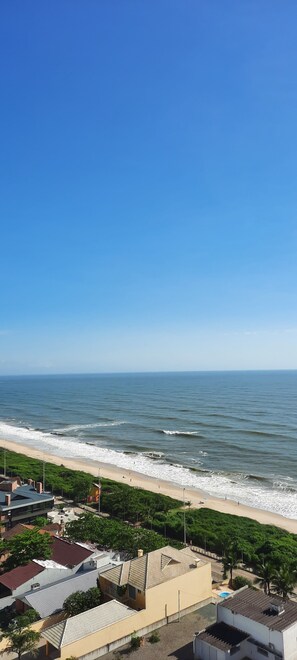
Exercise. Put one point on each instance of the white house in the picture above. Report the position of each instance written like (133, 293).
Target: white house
(68, 559)
(251, 626)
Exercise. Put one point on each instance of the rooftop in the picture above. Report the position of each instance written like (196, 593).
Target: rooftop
(21, 495)
(222, 636)
(52, 529)
(50, 599)
(84, 624)
(64, 555)
(68, 553)
(20, 575)
(257, 606)
(153, 568)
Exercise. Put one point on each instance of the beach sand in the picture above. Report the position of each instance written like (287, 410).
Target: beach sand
(197, 498)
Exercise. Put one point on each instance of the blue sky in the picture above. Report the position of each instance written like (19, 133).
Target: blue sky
(148, 185)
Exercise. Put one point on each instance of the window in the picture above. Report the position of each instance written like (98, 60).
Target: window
(132, 592)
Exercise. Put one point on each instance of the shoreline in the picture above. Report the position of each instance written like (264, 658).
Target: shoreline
(198, 498)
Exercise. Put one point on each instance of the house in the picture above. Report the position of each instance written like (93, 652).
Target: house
(155, 578)
(22, 502)
(50, 599)
(142, 594)
(67, 559)
(250, 625)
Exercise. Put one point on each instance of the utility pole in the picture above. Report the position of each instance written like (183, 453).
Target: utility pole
(43, 475)
(184, 507)
(4, 462)
(99, 492)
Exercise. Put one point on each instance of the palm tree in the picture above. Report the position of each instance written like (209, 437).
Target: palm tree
(284, 581)
(265, 572)
(230, 561)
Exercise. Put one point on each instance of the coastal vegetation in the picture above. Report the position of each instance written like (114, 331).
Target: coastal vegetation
(118, 499)
(160, 519)
(115, 534)
(252, 542)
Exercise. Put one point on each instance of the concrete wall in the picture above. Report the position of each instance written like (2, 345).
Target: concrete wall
(290, 643)
(38, 626)
(203, 651)
(247, 649)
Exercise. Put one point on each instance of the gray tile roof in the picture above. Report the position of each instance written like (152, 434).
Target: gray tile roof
(153, 568)
(50, 599)
(255, 605)
(23, 495)
(84, 624)
(222, 636)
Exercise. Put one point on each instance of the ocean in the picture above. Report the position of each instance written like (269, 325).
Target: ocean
(230, 434)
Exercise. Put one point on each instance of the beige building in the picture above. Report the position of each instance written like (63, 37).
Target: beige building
(146, 592)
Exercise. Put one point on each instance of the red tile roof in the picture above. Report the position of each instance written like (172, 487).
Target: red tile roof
(68, 554)
(20, 575)
(19, 528)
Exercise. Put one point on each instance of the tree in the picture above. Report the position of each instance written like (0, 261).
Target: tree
(284, 581)
(81, 485)
(41, 521)
(230, 561)
(24, 547)
(265, 572)
(81, 601)
(21, 639)
(92, 598)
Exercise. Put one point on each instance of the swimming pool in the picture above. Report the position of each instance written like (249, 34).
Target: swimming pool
(224, 594)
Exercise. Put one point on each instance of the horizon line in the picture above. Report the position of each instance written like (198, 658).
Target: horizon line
(153, 372)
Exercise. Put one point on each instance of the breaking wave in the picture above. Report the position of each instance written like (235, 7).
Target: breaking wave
(182, 433)
(269, 494)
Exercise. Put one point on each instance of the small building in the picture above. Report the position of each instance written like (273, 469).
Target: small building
(250, 625)
(22, 502)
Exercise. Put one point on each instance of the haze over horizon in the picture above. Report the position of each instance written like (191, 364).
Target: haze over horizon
(148, 196)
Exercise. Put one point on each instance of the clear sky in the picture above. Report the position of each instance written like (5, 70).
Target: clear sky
(148, 180)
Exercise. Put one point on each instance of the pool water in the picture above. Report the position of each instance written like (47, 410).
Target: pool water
(224, 594)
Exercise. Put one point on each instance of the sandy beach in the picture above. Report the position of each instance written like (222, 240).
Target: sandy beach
(197, 498)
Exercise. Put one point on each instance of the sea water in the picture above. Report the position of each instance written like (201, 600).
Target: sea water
(230, 434)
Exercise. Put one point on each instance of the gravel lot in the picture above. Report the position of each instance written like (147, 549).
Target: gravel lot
(175, 639)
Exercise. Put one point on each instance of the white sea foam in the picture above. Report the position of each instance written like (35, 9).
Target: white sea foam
(82, 427)
(219, 485)
(180, 432)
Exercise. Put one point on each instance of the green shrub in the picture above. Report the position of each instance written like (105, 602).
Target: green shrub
(154, 638)
(239, 581)
(135, 642)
